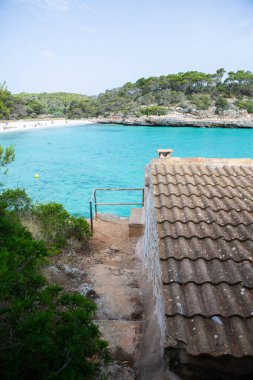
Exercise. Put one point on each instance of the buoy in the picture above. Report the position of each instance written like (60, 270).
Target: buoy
(36, 175)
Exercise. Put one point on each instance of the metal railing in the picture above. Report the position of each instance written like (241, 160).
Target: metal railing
(93, 199)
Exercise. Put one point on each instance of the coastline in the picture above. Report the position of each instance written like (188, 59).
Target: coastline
(180, 120)
(170, 120)
(24, 125)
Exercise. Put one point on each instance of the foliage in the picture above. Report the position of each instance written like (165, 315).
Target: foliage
(16, 200)
(245, 104)
(6, 102)
(131, 98)
(7, 155)
(20, 257)
(203, 102)
(154, 110)
(58, 225)
(221, 104)
(57, 104)
(55, 224)
(44, 333)
(239, 83)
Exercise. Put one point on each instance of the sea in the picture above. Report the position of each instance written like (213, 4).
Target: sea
(65, 164)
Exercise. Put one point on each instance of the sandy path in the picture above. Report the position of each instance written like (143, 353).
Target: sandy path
(108, 271)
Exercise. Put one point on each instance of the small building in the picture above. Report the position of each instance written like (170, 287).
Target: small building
(198, 248)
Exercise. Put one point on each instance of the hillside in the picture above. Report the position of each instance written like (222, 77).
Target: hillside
(191, 92)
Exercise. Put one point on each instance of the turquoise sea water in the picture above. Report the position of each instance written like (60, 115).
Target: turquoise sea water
(73, 160)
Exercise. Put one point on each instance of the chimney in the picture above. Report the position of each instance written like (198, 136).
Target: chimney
(164, 153)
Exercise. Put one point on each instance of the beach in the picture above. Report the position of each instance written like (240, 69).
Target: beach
(23, 125)
(172, 119)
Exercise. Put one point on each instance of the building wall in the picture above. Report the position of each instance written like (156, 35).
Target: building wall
(151, 253)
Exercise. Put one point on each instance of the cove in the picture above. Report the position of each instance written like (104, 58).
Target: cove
(71, 161)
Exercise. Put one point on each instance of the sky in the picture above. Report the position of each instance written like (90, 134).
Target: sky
(88, 46)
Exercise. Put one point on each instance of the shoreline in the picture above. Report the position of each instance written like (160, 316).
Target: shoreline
(25, 125)
(171, 120)
(179, 120)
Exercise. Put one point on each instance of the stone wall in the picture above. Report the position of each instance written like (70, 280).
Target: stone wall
(151, 253)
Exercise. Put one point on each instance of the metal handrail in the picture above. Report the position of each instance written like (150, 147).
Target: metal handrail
(93, 198)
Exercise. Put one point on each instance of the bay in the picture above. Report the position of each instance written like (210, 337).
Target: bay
(71, 161)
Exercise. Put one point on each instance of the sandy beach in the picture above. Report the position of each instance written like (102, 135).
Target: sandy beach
(23, 125)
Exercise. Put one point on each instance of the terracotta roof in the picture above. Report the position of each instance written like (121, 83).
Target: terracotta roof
(205, 225)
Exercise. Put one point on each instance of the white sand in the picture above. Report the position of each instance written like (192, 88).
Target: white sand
(23, 125)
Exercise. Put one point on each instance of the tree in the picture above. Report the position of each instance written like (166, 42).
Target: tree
(221, 104)
(6, 101)
(7, 155)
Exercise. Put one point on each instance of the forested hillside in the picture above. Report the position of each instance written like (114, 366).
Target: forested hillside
(191, 92)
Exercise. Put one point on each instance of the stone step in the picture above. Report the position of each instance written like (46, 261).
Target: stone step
(136, 222)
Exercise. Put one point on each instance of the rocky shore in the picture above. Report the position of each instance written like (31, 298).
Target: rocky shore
(180, 120)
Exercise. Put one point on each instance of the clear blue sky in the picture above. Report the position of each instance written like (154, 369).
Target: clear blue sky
(88, 46)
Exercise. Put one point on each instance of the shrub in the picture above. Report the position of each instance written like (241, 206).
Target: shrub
(44, 333)
(57, 225)
(221, 104)
(154, 110)
(203, 102)
(245, 104)
(16, 200)
(20, 256)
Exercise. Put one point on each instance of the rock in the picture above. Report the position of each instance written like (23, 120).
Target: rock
(53, 269)
(72, 271)
(86, 290)
(114, 248)
(105, 251)
(117, 372)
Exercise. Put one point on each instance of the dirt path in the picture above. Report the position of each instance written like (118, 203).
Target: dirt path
(108, 271)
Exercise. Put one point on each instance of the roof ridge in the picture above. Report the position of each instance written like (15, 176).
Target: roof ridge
(201, 175)
(204, 221)
(202, 208)
(197, 195)
(190, 316)
(214, 315)
(244, 286)
(205, 259)
(204, 237)
(203, 185)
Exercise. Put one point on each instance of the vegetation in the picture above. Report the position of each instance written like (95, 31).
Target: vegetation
(54, 224)
(221, 104)
(44, 332)
(7, 155)
(245, 104)
(6, 102)
(57, 104)
(57, 225)
(191, 91)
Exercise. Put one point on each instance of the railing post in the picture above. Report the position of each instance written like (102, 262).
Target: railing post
(91, 218)
(95, 199)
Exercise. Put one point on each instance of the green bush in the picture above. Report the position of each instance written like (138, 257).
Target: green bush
(57, 225)
(16, 200)
(221, 104)
(203, 102)
(52, 222)
(20, 256)
(44, 333)
(245, 104)
(154, 110)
